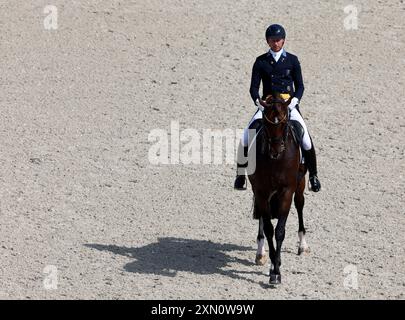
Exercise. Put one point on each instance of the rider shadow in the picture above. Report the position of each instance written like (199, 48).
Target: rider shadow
(171, 255)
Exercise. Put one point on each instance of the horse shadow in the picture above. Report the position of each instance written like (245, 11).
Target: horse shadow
(169, 255)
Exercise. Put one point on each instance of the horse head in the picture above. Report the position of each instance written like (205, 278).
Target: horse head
(275, 116)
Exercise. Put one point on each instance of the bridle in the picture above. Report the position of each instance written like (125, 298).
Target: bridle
(281, 139)
(287, 114)
(278, 122)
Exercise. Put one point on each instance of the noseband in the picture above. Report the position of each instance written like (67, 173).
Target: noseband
(276, 123)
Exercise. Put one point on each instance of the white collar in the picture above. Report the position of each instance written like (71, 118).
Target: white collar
(277, 55)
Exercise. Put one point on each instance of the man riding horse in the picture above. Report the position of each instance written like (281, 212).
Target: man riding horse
(280, 71)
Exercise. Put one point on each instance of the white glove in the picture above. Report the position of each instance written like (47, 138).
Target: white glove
(293, 103)
(257, 103)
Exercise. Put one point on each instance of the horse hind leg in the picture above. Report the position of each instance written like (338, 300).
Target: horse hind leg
(299, 201)
(261, 256)
(303, 247)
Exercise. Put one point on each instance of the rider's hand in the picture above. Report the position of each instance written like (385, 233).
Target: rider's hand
(293, 103)
(258, 105)
(261, 104)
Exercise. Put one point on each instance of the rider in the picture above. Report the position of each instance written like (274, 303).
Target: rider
(279, 71)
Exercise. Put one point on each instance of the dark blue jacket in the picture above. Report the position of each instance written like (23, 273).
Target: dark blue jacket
(282, 76)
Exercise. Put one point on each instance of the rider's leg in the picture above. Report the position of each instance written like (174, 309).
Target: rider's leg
(241, 164)
(310, 158)
(242, 156)
(309, 152)
(245, 138)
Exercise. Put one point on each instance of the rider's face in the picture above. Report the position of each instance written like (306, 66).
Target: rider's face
(275, 44)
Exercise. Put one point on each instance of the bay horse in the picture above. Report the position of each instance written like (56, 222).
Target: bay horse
(279, 175)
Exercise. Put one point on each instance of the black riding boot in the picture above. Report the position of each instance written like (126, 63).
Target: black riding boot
(310, 160)
(240, 181)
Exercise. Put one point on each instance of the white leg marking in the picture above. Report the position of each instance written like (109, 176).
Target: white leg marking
(303, 246)
(303, 243)
(260, 247)
(260, 243)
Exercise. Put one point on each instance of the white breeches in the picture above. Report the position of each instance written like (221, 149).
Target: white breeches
(294, 115)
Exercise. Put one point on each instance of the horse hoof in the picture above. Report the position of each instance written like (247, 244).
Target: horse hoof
(261, 259)
(302, 250)
(275, 278)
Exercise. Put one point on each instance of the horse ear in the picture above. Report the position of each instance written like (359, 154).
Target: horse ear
(269, 98)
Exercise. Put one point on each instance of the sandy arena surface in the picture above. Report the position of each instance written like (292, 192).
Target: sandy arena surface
(79, 193)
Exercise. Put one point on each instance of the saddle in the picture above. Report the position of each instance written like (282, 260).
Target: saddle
(296, 129)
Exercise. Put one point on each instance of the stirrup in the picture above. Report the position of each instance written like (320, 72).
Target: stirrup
(314, 184)
(240, 183)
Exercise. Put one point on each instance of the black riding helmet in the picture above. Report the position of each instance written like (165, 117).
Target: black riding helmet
(275, 31)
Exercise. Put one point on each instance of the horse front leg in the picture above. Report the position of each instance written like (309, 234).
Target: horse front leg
(284, 209)
(261, 257)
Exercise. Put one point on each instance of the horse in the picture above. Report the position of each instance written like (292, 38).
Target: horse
(279, 175)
